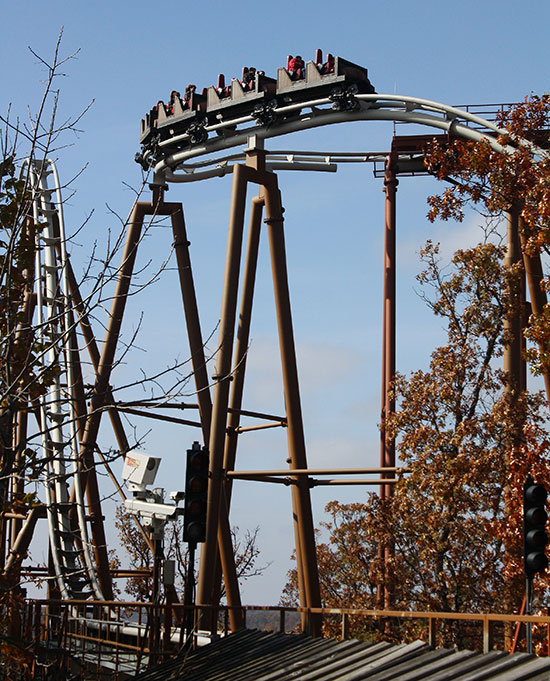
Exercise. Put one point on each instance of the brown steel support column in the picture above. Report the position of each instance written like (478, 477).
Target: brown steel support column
(243, 336)
(91, 344)
(18, 481)
(20, 545)
(229, 570)
(116, 422)
(87, 466)
(239, 362)
(208, 559)
(535, 279)
(6, 477)
(387, 443)
(23, 336)
(515, 370)
(514, 364)
(106, 361)
(295, 432)
(196, 345)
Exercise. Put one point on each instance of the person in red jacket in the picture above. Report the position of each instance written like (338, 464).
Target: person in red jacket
(296, 67)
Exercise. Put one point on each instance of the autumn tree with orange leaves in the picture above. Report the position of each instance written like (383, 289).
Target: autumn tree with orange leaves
(455, 521)
(513, 179)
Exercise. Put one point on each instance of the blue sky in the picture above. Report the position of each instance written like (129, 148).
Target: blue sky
(132, 54)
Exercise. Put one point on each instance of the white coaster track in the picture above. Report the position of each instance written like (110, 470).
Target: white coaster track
(170, 158)
(68, 536)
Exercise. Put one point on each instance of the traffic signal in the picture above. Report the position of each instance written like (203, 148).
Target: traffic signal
(196, 494)
(534, 527)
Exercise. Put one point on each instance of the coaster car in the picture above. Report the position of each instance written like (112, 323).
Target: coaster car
(256, 95)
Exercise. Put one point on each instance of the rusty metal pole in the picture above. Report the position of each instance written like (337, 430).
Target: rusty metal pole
(229, 570)
(87, 465)
(196, 344)
(17, 482)
(239, 362)
(515, 371)
(20, 546)
(21, 423)
(9, 479)
(535, 278)
(91, 345)
(101, 387)
(295, 430)
(387, 443)
(243, 336)
(255, 158)
(116, 422)
(514, 364)
(208, 559)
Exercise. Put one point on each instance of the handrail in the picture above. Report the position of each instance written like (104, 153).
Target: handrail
(128, 636)
(108, 607)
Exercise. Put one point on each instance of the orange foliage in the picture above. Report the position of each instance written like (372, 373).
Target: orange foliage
(518, 179)
(455, 520)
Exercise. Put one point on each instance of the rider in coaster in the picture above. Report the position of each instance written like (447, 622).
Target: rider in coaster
(189, 91)
(173, 96)
(249, 78)
(296, 67)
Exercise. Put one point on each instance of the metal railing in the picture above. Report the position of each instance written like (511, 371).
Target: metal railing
(117, 639)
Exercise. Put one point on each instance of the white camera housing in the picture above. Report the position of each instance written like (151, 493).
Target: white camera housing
(140, 470)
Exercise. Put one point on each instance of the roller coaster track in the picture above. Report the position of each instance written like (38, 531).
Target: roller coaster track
(169, 159)
(69, 541)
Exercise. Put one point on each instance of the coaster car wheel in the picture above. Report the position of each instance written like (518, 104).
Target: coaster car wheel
(264, 114)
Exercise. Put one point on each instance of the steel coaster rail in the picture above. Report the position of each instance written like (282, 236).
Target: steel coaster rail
(71, 556)
(71, 381)
(380, 107)
(320, 161)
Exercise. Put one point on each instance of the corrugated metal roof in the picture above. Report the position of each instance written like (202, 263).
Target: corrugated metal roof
(263, 656)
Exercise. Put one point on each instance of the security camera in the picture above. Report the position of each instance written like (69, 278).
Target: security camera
(139, 470)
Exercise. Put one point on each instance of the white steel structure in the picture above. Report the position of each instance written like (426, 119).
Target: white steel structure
(69, 541)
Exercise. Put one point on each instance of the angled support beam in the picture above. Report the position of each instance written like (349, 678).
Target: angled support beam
(239, 363)
(216, 532)
(196, 344)
(106, 362)
(243, 338)
(114, 415)
(20, 545)
(304, 527)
